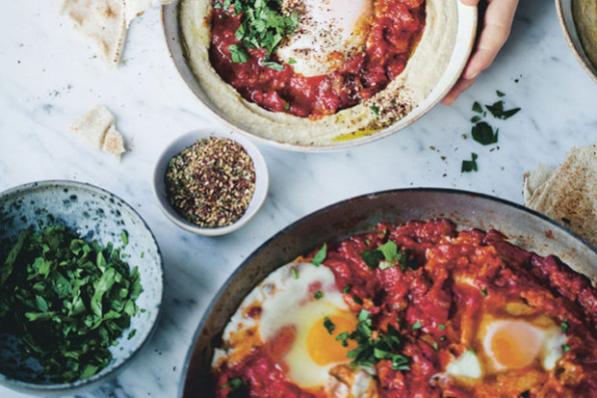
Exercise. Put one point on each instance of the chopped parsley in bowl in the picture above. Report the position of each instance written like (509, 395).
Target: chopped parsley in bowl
(81, 284)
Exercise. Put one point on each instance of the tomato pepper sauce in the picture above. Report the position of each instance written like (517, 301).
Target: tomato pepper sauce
(426, 292)
(394, 31)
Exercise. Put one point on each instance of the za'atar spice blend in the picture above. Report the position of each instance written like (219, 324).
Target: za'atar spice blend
(211, 182)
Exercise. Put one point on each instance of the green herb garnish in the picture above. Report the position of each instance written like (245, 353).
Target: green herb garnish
(294, 272)
(499, 93)
(417, 325)
(565, 347)
(484, 134)
(320, 256)
(386, 256)
(318, 295)
(374, 347)
(497, 110)
(477, 107)
(329, 325)
(470, 165)
(374, 109)
(263, 26)
(67, 299)
(347, 288)
(238, 54)
(564, 326)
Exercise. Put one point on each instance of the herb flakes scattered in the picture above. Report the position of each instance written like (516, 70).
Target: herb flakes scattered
(470, 165)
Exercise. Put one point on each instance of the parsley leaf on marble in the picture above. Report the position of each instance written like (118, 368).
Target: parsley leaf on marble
(484, 134)
(470, 165)
(497, 110)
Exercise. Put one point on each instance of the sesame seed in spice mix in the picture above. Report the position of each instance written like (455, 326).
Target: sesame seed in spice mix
(211, 182)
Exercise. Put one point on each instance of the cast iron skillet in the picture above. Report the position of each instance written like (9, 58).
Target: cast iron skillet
(524, 227)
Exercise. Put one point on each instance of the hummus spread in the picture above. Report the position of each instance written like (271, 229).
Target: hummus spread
(585, 19)
(424, 67)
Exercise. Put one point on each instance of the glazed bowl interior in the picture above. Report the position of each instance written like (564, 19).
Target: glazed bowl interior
(467, 25)
(523, 226)
(94, 214)
(572, 37)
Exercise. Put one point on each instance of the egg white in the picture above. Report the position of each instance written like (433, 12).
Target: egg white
(326, 27)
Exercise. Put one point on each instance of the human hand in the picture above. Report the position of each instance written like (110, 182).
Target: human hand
(497, 24)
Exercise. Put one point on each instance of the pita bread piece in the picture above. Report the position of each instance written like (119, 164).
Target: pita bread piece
(104, 21)
(534, 179)
(98, 128)
(569, 194)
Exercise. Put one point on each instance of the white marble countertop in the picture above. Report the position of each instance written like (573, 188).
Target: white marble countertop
(50, 76)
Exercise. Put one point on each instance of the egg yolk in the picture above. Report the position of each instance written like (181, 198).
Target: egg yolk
(322, 346)
(515, 345)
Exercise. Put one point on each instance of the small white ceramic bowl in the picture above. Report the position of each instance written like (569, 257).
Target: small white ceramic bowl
(261, 181)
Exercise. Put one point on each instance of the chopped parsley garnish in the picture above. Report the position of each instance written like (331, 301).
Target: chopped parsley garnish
(357, 300)
(69, 300)
(441, 326)
(470, 165)
(477, 107)
(347, 288)
(263, 26)
(238, 54)
(272, 65)
(417, 325)
(565, 347)
(374, 345)
(484, 292)
(484, 134)
(295, 273)
(499, 93)
(320, 256)
(291, 61)
(564, 326)
(388, 255)
(374, 109)
(235, 385)
(497, 110)
(318, 295)
(329, 325)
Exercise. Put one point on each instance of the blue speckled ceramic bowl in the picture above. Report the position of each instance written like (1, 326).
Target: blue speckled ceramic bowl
(97, 215)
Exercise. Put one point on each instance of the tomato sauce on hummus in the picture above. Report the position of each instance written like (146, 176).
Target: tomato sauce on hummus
(394, 30)
(438, 300)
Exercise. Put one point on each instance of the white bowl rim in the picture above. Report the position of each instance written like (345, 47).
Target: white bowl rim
(261, 180)
(471, 14)
(117, 367)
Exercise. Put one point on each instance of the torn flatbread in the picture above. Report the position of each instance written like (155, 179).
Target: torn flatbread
(534, 179)
(98, 128)
(113, 142)
(106, 22)
(94, 125)
(568, 194)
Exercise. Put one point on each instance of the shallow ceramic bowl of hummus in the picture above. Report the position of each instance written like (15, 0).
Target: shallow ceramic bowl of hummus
(367, 105)
(578, 19)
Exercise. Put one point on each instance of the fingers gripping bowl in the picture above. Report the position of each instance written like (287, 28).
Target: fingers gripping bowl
(335, 224)
(379, 72)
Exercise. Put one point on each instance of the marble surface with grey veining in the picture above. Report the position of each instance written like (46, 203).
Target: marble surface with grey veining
(50, 76)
